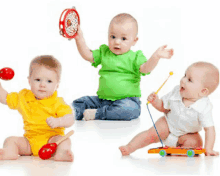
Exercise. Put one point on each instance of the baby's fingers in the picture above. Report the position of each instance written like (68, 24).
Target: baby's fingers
(170, 53)
(50, 122)
(152, 97)
(213, 153)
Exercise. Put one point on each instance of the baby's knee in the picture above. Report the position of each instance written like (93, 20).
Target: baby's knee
(82, 99)
(11, 139)
(128, 114)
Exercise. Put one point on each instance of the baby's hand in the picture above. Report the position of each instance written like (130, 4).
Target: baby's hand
(162, 52)
(152, 97)
(211, 153)
(53, 122)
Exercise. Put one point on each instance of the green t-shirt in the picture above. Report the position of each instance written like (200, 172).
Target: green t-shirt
(119, 76)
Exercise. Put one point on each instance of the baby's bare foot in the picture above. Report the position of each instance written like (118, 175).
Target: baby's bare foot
(89, 114)
(125, 150)
(7, 155)
(64, 156)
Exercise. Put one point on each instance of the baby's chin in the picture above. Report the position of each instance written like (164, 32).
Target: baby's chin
(182, 95)
(118, 52)
(38, 97)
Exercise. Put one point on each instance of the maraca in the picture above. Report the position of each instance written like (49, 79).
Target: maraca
(6, 73)
(171, 73)
(48, 149)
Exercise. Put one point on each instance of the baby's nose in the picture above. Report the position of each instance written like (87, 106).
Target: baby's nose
(183, 80)
(42, 84)
(117, 41)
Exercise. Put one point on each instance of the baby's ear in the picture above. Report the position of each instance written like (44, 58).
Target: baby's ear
(58, 85)
(29, 81)
(135, 40)
(205, 92)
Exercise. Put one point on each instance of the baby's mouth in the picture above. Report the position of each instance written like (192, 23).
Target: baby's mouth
(116, 48)
(42, 91)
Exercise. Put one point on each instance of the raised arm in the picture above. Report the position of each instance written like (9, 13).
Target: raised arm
(161, 52)
(83, 49)
(3, 95)
(209, 141)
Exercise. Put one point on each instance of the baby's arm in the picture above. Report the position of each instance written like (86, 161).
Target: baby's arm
(209, 141)
(3, 95)
(83, 49)
(65, 121)
(157, 103)
(161, 52)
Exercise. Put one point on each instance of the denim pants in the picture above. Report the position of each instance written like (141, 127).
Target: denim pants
(124, 109)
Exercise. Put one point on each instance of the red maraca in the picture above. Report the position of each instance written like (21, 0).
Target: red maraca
(6, 73)
(48, 149)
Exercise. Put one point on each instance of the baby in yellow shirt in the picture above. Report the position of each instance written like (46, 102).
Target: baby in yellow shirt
(45, 115)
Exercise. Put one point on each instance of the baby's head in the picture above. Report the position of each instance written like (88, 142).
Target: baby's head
(122, 33)
(200, 80)
(44, 76)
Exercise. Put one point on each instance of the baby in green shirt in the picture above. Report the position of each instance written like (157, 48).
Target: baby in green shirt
(119, 82)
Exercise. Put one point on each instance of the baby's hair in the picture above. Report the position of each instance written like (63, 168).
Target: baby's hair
(211, 75)
(123, 17)
(47, 61)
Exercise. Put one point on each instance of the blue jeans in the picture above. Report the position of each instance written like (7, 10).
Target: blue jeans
(124, 109)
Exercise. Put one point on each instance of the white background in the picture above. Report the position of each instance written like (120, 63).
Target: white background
(30, 28)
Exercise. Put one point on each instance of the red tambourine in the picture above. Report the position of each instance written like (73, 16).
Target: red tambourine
(69, 21)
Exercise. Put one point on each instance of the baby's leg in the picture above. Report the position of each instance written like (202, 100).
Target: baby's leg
(63, 152)
(83, 103)
(145, 138)
(123, 109)
(14, 146)
(190, 140)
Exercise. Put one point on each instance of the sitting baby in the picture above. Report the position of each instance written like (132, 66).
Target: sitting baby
(44, 114)
(187, 109)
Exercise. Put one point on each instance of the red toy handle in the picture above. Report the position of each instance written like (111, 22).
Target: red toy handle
(6, 73)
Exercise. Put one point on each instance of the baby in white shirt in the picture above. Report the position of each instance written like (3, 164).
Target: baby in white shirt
(187, 109)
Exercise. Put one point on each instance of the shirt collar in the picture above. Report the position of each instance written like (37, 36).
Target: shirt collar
(46, 101)
(198, 106)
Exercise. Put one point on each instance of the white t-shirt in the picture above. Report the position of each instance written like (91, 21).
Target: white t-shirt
(182, 120)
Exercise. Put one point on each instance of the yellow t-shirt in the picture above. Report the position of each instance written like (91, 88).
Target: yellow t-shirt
(35, 112)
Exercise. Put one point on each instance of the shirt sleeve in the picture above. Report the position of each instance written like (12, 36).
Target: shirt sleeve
(12, 100)
(205, 117)
(97, 55)
(140, 59)
(63, 109)
(166, 98)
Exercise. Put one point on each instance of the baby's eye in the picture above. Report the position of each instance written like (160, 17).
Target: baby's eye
(49, 81)
(190, 80)
(112, 36)
(124, 38)
(37, 79)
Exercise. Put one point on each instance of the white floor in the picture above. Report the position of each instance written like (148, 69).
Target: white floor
(95, 147)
